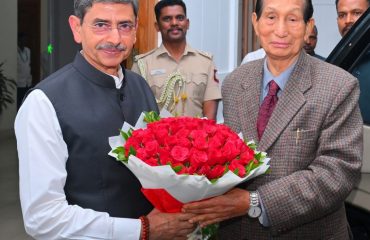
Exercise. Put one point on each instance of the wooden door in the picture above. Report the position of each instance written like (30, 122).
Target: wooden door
(29, 25)
(249, 39)
(147, 36)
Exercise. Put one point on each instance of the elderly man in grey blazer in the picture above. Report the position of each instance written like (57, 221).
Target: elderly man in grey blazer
(304, 113)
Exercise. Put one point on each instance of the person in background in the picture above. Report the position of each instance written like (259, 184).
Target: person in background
(24, 77)
(69, 187)
(310, 43)
(182, 78)
(348, 12)
(304, 113)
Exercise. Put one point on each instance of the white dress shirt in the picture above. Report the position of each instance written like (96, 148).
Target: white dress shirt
(42, 175)
(24, 77)
(258, 54)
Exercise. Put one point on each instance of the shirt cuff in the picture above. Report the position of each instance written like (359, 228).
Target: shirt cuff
(263, 218)
(126, 229)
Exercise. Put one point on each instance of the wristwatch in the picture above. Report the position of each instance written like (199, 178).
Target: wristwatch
(254, 205)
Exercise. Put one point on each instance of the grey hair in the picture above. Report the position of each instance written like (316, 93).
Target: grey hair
(81, 6)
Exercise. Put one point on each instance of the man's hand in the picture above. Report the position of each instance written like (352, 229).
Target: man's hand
(169, 225)
(232, 204)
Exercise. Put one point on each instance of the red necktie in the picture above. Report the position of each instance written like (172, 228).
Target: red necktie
(267, 108)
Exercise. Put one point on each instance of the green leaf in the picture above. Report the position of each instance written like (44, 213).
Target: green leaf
(124, 135)
(130, 131)
(177, 169)
(253, 146)
(249, 167)
(258, 156)
(118, 150)
(210, 232)
(121, 156)
(132, 151)
(213, 181)
(151, 116)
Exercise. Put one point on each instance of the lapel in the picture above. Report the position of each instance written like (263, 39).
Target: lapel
(248, 100)
(290, 102)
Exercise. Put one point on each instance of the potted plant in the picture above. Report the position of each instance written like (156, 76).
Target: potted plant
(6, 85)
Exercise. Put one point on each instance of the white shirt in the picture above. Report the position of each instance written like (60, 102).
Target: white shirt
(42, 156)
(24, 77)
(258, 54)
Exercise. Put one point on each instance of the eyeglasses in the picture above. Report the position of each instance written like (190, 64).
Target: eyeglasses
(103, 28)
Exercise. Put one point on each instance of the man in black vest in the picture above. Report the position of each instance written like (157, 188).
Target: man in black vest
(69, 187)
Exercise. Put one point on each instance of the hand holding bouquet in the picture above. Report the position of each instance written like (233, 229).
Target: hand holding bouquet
(182, 159)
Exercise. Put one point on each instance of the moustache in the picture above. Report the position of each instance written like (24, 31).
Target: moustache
(110, 46)
(175, 29)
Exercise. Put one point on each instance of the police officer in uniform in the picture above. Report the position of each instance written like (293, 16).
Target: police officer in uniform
(182, 78)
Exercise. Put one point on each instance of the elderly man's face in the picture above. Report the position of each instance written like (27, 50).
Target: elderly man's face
(107, 34)
(281, 28)
(349, 11)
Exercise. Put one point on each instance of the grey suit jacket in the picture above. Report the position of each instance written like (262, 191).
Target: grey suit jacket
(312, 171)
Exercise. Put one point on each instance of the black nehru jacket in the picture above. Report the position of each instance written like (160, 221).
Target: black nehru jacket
(90, 109)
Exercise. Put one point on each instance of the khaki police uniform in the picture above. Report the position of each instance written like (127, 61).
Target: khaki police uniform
(180, 87)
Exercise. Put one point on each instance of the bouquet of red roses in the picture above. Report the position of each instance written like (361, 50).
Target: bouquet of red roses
(182, 159)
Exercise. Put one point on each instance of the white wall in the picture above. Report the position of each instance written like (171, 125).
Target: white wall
(8, 53)
(214, 27)
(325, 16)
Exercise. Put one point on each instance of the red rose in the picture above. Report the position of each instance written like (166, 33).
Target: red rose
(141, 153)
(197, 157)
(210, 129)
(215, 157)
(152, 162)
(216, 172)
(164, 156)
(161, 135)
(204, 170)
(198, 134)
(215, 142)
(237, 168)
(219, 136)
(183, 142)
(170, 141)
(246, 156)
(148, 136)
(131, 142)
(182, 133)
(143, 135)
(200, 143)
(230, 150)
(151, 147)
(179, 154)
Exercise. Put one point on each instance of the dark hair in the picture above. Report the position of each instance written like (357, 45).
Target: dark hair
(336, 3)
(307, 11)
(165, 3)
(81, 6)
